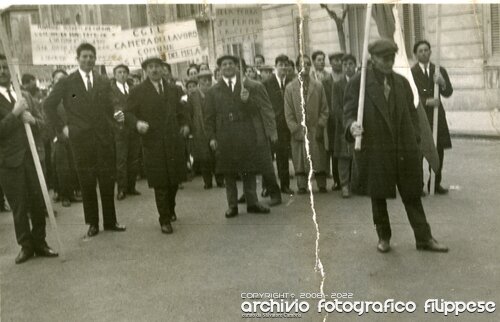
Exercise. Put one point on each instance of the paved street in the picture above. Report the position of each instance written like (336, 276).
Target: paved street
(199, 272)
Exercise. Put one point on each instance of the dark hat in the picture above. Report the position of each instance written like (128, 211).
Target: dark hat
(224, 57)
(337, 55)
(150, 60)
(121, 66)
(205, 73)
(266, 67)
(191, 80)
(382, 47)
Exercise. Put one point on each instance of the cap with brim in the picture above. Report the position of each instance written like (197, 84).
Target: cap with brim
(121, 66)
(337, 55)
(150, 60)
(191, 80)
(382, 47)
(266, 67)
(204, 73)
(224, 57)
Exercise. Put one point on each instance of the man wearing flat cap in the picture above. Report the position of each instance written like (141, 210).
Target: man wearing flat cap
(240, 122)
(390, 155)
(155, 112)
(128, 145)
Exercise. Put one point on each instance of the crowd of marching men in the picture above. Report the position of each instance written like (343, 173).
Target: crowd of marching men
(228, 124)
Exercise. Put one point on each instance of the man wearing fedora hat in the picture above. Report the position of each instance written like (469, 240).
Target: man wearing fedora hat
(239, 121)
(154, 110)
(390, 155)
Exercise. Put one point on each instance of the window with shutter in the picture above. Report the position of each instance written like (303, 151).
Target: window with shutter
(495, 29)
(412, 26)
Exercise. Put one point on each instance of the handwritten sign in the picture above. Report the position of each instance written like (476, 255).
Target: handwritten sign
(238, 25)
(175, 42)
(56, 45)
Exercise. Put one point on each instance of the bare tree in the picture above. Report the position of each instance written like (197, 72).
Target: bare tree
(339, 22)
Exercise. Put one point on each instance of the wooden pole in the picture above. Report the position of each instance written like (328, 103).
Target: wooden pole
(436, 93)
(31, 141)
(242, 73)
(361, 101)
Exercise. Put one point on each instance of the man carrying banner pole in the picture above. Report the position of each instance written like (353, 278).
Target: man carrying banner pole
(19, 169)
(390, 155)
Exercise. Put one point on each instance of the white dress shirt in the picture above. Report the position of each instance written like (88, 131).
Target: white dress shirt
(281, 82)
(84, 77)
(233, 81)
(123, 87)
(3, 91)
(158, 84)
(423, 67)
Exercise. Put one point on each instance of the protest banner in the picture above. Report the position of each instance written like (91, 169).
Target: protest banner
(56, 44)
(176, 42)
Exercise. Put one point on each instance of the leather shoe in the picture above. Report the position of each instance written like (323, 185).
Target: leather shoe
(24, 255)
(231, 212)
(440, 190)
(258, 209)
(93, 230)
(173, 217)
(45, 251)
(275, 202)
(115, 227)
(242, 199)
(66, 203)
(221, 185)
(346, 193)
(120, 195)
(433, 246)
(383, 246)
(424, 193)
(336, 187)
(287, 191)
(133, 192)
(207, 186)
(166, 228)
(264, 193)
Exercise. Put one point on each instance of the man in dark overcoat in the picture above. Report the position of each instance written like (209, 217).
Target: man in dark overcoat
(425, 76)
(128, 144)
(275, 87)
(86, 97)
(342, 150)
(239, 133)
(18, 176)
(389, 155)
(155, 112)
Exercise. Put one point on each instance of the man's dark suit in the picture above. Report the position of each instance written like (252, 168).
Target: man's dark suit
(18, 176)
(90, 123)
(425, 86)
(282, 147)
(329, 87)
(128, 146)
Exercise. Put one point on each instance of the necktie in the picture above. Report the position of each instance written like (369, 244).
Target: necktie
(89, 83)
(230, 84)
(125, 90)
(11, 98)
(426, 74)
(387, 88)
(160, 88)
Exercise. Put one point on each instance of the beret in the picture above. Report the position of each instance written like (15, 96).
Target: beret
(224, 57)
(337, 55)
(150, 60)
(382, 47)
(205, 73)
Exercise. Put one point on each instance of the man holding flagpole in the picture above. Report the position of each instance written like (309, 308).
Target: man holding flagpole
(389, 155)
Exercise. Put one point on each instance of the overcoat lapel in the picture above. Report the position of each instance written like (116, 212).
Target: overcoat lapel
(376, 93)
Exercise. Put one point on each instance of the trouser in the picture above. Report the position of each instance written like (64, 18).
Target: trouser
(414, 211)
(165, 202)
(440, 151)
(128, 149)
(344, 169)
(208, 171)
(95, 164)
(249, 189)
(302, 180)
(282, 150)
(334, 165)
(270, 183)
(64, 166)
(23, 192)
